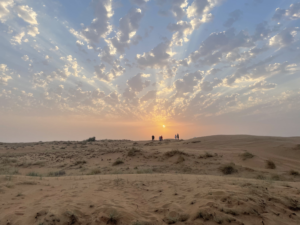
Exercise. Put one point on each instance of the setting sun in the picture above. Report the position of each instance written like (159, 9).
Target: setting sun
(164, 126)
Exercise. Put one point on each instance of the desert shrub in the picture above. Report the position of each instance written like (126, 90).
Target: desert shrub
(247, 155)
(118, 162)
(297, 147)
(270, 164)
(33, 174)
(180, 159)
(206, 155)
(144, 171)
(132, 152)
(228, 169)
(183, 217)
(203, 215)
(294, 173)
(113, 217)
(91, 139)
(174, 152)
(79, 162)
(170, 220)
(27, 183)
(57, 173)
(275, 177)
(94, 171)
(260, 177)
(8, 161)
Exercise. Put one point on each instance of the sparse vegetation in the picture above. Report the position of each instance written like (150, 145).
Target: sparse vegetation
(270, 164)
(247, 155)
(180, 159)
(33, 174)
(228, 169)
(57, 173)
(91, 139)
(133, 151)
(206, 155)
(113, 217)
(94, 171)
(174, 152)
(118, 162)
(79, 162)
(294, 173)
(260, 177)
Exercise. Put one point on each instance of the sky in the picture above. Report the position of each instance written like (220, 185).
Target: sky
(121, 69)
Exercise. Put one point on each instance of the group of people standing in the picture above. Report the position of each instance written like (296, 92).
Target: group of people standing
(161, 138)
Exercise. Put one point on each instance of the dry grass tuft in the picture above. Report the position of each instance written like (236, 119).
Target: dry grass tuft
(27, 183)
(94, 171)
(180, 159)
(57, 173)
(247, 155)
(228, 169)
(206, 155)
(270, 164)
(133, 151)
(294, 173)
(174, 152)
(117, 162)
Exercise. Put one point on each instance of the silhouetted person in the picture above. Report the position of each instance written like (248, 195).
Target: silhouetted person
(152, 137)
(178, 136)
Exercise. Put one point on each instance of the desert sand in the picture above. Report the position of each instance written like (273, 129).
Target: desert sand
(236, 179)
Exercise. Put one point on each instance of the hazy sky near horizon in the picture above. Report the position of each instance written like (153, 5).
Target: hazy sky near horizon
(123, 68)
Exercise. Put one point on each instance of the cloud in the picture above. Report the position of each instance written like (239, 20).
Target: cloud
(217, 45)
(234, 16)
(17, 39)
(284, 38)
(128, 26)
(209, 86)
(100, 26)
(25, 58)
(262, 85)
(292, 13)
(182, 29)
(158, 57)
(262, 31)
(199, 8)
(3, 76)
(139, 2)
(188, 82)
(112, 99)
(136, 83)
(32, 31)
(5, 5)
(56, 48)
(178, 8)
(148, 96)
(101, 74)
(26, 13)
(261, 70)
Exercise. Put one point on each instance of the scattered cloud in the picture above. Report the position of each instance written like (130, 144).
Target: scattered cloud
(234, 16)
(292, 13)
(26, 13)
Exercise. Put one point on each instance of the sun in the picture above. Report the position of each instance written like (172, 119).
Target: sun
(164, 126)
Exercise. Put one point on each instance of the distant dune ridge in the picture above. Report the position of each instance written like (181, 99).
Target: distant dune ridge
(222, 179)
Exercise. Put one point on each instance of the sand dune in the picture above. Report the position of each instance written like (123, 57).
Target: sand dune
(235, 179)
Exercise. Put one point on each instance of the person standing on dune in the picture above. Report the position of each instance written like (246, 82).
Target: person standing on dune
(178, 136)
(175, 136)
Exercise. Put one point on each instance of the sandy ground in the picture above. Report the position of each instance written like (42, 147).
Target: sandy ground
(210, 180)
